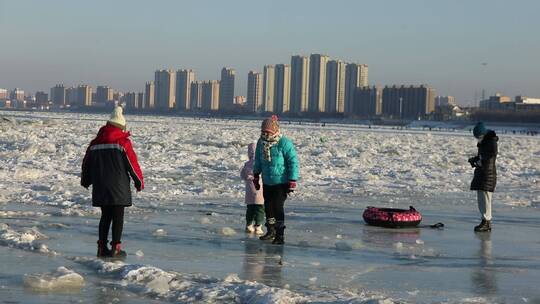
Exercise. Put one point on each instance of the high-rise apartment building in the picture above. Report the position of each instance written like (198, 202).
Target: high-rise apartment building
(184, 78)
(140, 100)
(58, 95)
(269, 77)
(317, 82)
(71, 96)
(356, 76)
(130, 99)
(335, 87)
(42, 98)
(104, 94)
(299, 84)
(210, 95)
(3, 94)
(226, 89)
(165, 82)
(149, 95)
(196, 95)
(367, 102)
(84, 95)
(254, 92)
(411, 102)
(17, 94)
(282, 88)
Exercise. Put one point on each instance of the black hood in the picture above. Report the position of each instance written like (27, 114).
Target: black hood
(491, 135)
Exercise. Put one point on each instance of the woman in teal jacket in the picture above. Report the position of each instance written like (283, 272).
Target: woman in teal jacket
(276, 159)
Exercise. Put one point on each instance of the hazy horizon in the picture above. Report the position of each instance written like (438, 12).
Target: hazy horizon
(122, 43)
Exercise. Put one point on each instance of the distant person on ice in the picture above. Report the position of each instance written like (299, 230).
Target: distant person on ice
(485, 173)
(253, 197)
(107, 166)
(275, 158)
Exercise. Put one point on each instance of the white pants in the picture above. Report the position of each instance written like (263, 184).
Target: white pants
(484, 204)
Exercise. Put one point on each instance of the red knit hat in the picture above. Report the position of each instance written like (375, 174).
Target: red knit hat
(270, 125)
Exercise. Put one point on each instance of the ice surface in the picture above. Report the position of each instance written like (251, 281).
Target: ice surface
(194, 196)
(62, 279)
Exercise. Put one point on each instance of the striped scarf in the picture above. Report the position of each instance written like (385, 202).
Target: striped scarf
(268, 142)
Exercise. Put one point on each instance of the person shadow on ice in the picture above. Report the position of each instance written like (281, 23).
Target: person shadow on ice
(263, 263)
(483, 277)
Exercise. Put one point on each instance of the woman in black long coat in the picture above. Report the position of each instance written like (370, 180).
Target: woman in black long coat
(485, 172)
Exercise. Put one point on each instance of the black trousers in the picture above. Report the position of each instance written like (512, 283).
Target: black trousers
(274, 201)
(114, 215)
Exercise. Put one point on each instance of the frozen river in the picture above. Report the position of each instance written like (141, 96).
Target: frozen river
(185, 236)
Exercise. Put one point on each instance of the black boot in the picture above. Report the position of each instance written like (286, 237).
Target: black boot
(102, 249)
(280, 237)
(485, 226)
(270, 233)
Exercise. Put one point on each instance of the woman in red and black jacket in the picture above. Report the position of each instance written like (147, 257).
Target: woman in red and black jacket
(108, 165)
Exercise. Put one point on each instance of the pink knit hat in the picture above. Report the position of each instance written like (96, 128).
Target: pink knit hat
(270, 125)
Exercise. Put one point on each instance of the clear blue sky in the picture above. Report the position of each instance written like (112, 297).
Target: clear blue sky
(121, 43)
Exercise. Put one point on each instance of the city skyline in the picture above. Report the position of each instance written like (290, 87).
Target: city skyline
(460, 47)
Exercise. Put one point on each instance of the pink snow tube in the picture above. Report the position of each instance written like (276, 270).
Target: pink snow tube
(392, 218)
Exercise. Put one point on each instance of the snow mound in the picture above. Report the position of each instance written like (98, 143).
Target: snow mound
(25, 240)
(160, 232)
(205, 220)
(227, 231)
(62, 279)
(198, 288)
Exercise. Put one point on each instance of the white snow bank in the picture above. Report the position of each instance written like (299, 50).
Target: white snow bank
(160, 232)
(227, 231)
(350, 162)
(197, 288)
(25, 240)
(62, 279)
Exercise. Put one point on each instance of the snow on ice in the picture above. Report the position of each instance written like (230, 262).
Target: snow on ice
(62, 279)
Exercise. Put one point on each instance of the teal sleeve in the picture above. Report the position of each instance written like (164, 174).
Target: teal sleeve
(257, 162)
(291, 159)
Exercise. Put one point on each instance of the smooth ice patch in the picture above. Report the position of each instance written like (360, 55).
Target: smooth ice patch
(62, 279)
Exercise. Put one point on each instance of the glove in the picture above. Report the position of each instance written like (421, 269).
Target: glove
(292, 186)
(256, 182)
(474, 161)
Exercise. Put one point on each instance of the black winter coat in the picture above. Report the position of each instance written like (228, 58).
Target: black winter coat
(109, 163)
(485, 174)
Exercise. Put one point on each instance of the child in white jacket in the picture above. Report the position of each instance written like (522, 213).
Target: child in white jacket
(253, 197)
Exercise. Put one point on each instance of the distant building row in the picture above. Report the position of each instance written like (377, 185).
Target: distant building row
(500, 102)
(313, 84)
